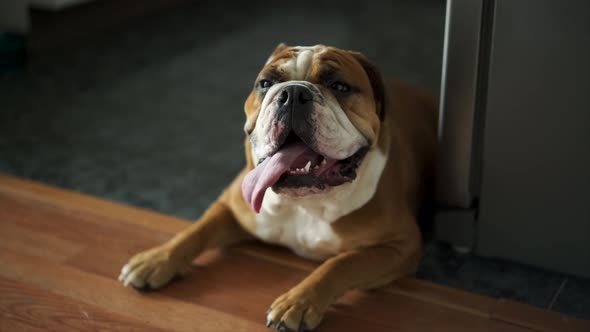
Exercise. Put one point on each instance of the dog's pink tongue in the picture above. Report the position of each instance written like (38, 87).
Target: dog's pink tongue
(268, 173)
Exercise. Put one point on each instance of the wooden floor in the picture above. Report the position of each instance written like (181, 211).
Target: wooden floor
(61, 252)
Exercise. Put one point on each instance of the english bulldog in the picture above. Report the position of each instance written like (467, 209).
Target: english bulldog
(337, 164)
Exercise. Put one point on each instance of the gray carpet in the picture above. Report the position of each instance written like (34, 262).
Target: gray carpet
(151, 114)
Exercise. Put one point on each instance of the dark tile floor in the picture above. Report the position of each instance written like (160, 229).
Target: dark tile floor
(151, 114)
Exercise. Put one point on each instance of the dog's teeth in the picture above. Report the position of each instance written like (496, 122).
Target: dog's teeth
(307, 166)
(324, 162)
(316, 167)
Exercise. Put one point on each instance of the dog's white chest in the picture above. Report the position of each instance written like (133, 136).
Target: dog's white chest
(305, 231)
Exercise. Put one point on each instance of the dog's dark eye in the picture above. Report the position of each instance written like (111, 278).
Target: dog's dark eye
(340, 87)
(264, 84)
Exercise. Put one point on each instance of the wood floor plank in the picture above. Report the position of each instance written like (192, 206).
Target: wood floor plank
(154, 309)
(66, 200)
(220, 279)
(473, 304)
(407, 314)
(46, 245)
(417, 289)
(228, 281)
(73, 246)
(222, 276)
(36, 309)
(9, 324)
(74, 227)
(537, 319)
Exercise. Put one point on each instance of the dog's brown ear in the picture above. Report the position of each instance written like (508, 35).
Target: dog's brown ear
(280, 47)
(376, 82)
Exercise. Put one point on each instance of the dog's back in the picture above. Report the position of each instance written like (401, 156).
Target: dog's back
(412, 114)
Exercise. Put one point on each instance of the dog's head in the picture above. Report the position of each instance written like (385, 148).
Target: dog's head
(312, 116)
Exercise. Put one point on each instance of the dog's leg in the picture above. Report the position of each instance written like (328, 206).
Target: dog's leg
(155, 267)
(303, 307)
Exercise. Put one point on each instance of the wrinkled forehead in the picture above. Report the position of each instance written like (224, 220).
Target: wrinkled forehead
(312, 63)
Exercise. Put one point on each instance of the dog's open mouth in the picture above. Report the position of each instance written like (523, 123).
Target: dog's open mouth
(311, 169)
(296, 168)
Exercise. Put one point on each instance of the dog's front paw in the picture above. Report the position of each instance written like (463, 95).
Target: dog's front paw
(151, 269)
(300, 309)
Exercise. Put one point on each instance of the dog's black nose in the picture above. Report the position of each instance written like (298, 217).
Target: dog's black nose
(295, 95)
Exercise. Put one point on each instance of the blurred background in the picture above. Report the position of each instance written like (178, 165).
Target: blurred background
(142, 103)
(148, 109)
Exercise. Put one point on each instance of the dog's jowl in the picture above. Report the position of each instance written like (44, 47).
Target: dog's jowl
(337, 163)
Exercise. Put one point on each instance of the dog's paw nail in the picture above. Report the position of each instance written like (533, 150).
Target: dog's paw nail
(281, 326)
(301, 327)
(142, 289)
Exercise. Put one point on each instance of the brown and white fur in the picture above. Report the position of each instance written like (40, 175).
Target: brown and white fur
(368, 224)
